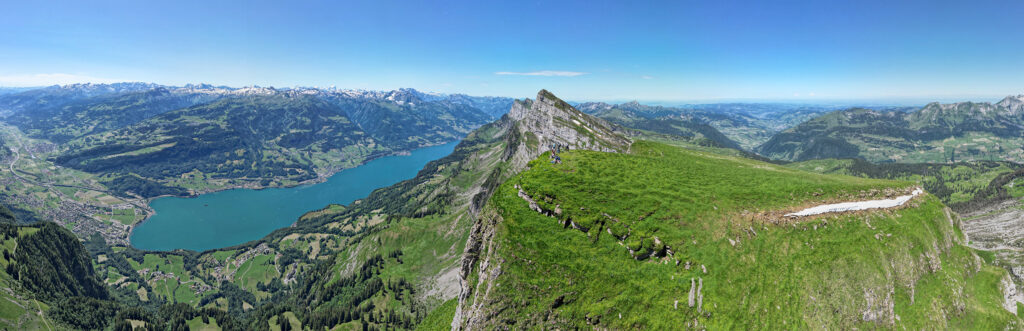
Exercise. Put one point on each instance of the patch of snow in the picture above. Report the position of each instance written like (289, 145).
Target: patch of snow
(857, 205)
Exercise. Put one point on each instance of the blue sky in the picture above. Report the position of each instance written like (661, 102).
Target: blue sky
(585, 50)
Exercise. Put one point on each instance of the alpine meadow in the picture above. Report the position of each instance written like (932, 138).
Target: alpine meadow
(465, 165)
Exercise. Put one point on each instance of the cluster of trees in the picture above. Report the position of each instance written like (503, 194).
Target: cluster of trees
(351, 298)
(84, 313)
(994, 192)
(56, 268)
(143, 187)
(12, 214)
(54, 265)
(7, 216)
(174, 317)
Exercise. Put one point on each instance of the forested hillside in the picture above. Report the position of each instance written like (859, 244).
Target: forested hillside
(201, 137)
(936, 133)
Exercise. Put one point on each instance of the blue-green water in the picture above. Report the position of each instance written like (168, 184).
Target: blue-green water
(232, 217)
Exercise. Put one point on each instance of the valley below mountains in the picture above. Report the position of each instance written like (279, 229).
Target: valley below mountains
(547, 214)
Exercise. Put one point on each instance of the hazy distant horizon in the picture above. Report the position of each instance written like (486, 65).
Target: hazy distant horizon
(585, 50)
(890, 101)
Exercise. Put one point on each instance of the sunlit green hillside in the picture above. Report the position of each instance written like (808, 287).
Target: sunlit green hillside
(620, 241)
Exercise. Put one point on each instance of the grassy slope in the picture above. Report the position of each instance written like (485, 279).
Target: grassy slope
(440, 318)
(814, 274)
(18, 309)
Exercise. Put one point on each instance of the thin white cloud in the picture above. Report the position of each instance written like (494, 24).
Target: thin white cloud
(547, 73)
(646, 77)
(50, 79)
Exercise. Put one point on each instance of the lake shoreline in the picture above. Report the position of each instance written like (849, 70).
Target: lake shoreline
(307, 183)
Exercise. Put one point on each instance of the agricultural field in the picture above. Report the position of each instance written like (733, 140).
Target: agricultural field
(80, 201)
(973, 146)
(167, 277)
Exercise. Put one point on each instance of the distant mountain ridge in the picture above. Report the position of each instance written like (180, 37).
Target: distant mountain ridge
(663, 120)
(935, 133)
(257, 136)
(738, 126)
(616, 233)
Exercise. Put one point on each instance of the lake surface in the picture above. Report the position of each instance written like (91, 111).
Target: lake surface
(232, 217)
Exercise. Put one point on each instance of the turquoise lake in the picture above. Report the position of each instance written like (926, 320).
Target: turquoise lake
(232, 217)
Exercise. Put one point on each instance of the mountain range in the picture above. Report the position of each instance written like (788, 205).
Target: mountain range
(737, 126)
(552, 218)
(249, 137)
(547, 216)
(962, 131)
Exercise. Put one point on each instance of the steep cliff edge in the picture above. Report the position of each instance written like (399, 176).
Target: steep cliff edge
(546, 124)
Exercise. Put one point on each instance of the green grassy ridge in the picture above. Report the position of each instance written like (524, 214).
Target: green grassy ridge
(441, 318)
(19, 307)
(565, 278)
(427, 221)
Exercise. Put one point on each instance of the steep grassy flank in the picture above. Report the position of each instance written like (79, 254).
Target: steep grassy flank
(629, 233)
(441, 318)
(19, 310)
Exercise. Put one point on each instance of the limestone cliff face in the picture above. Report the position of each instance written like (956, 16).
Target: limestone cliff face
(548, 121)
(534, 127)
(1014, 104)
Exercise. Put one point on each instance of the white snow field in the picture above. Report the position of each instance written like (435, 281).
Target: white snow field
(857, 205)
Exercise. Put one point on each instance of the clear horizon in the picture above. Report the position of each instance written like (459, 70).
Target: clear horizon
(910, 52)
(886, 102)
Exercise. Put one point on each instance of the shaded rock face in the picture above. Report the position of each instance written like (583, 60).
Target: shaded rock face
(1013, 104)
(534, 127)
(549, 121)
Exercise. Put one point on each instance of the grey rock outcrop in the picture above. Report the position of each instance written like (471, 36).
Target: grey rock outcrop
(550, 122)
(533, 127)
